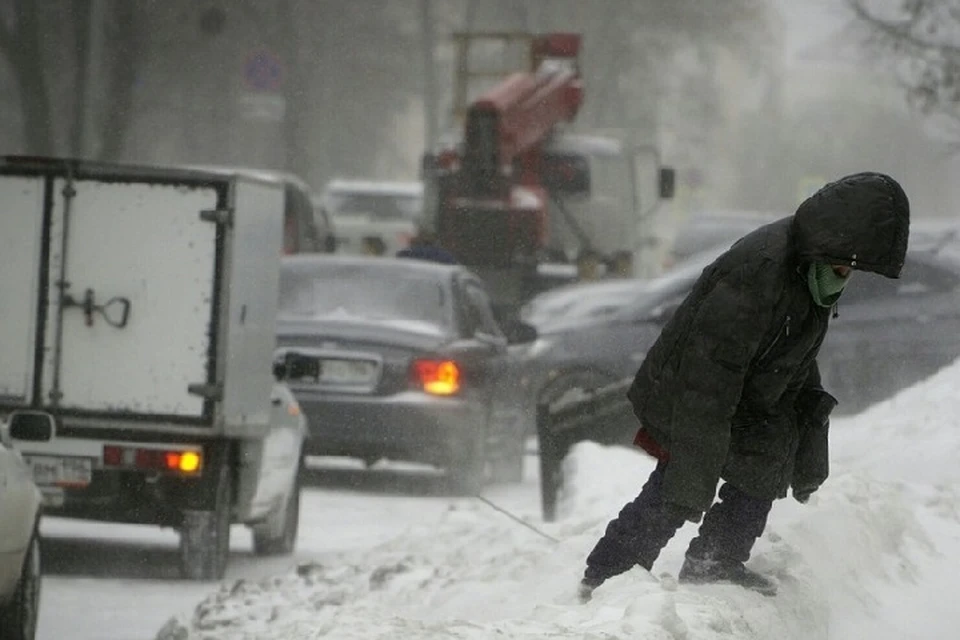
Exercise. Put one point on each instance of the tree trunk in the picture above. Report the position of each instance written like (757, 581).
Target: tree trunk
(296, 159)
(126, 58)
(27, 62)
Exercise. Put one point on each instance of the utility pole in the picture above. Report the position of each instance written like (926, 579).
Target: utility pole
(429, 75)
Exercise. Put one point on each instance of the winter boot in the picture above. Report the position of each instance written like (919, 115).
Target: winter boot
(585, 590)
(704, 570)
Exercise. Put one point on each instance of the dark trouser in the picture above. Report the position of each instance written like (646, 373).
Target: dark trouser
(643, 528)
(730, 527)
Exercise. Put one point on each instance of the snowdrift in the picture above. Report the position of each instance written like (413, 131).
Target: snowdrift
(876, 554)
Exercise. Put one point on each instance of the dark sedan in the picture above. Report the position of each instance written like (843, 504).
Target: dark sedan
(597, 333)
(888, 335)
(401, 359)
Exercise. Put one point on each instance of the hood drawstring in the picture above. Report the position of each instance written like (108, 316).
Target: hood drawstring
(836, 311)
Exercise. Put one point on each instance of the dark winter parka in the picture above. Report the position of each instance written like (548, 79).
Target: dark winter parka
(731, 387)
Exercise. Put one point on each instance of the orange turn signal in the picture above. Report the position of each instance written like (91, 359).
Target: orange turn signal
(184, 461)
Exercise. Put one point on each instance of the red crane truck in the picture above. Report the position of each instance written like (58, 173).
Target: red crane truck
(515, 192)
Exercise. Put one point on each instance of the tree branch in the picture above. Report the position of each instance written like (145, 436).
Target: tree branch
(899, 32)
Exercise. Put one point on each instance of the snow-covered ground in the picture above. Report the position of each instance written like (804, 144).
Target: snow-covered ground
(120, 582)
(876, 554)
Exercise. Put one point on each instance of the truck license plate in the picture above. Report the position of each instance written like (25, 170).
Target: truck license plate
(60, 472)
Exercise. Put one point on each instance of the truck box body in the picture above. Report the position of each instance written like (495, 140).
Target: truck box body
(123, 292)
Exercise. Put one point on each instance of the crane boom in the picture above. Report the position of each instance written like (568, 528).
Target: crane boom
(496, 194)
(517, 116)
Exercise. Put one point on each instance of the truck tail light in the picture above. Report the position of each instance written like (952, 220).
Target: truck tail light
(437, 377)
(187, 462)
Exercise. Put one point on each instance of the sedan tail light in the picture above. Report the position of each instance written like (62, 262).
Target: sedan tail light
(437, 377)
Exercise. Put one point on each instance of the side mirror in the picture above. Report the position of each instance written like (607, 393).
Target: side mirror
(520, 333)
(667, 182)
(294, 366)
(34, 426)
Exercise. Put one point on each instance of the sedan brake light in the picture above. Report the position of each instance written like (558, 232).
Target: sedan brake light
(437, 377)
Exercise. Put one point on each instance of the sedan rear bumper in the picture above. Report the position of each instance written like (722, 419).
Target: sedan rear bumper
(410, 426)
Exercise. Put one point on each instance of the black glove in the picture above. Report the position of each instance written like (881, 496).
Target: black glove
(814, 407)
(679, 513)
(802, 494)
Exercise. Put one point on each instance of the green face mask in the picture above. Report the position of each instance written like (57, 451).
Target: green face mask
(825, 285)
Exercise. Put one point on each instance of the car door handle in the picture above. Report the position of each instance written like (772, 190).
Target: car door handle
(276, 401)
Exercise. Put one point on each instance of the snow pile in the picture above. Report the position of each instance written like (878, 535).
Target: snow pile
(873, 555)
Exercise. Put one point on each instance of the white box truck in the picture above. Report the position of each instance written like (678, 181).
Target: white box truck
(137, 332)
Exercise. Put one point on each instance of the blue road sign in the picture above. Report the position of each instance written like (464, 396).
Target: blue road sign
(263, 71)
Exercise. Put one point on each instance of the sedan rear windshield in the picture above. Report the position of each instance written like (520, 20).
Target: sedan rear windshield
(375, 205)
(351, 293)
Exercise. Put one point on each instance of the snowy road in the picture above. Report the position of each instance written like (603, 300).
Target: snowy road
(875, 554)
(113, 582)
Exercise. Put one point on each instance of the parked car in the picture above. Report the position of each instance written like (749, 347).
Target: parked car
(888, 335)
(891, 334)
(597, 333)
(372, 217)
(707, 229)
(20, 580)
(401, 359)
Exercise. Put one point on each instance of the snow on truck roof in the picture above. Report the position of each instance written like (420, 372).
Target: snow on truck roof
(378, 187)
(147, 170)
(266, 175)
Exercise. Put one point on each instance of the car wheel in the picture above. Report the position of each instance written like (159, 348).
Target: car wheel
(205, 535)
(18, 619)
(278, 535)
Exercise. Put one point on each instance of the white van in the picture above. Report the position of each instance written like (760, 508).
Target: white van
(372, 216)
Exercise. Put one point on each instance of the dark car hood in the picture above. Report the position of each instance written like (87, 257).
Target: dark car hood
(304, 332)
(570, 325)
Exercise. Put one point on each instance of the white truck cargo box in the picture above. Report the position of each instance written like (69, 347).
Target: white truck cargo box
(122, 294)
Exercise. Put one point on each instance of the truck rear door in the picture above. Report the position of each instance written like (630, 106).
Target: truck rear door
(110, 290)
(21, 201)
(131, 294)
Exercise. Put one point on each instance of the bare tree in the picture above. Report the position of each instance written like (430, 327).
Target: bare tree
(20, 45)
(923, 38)
(46, 50)
(122, 37)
